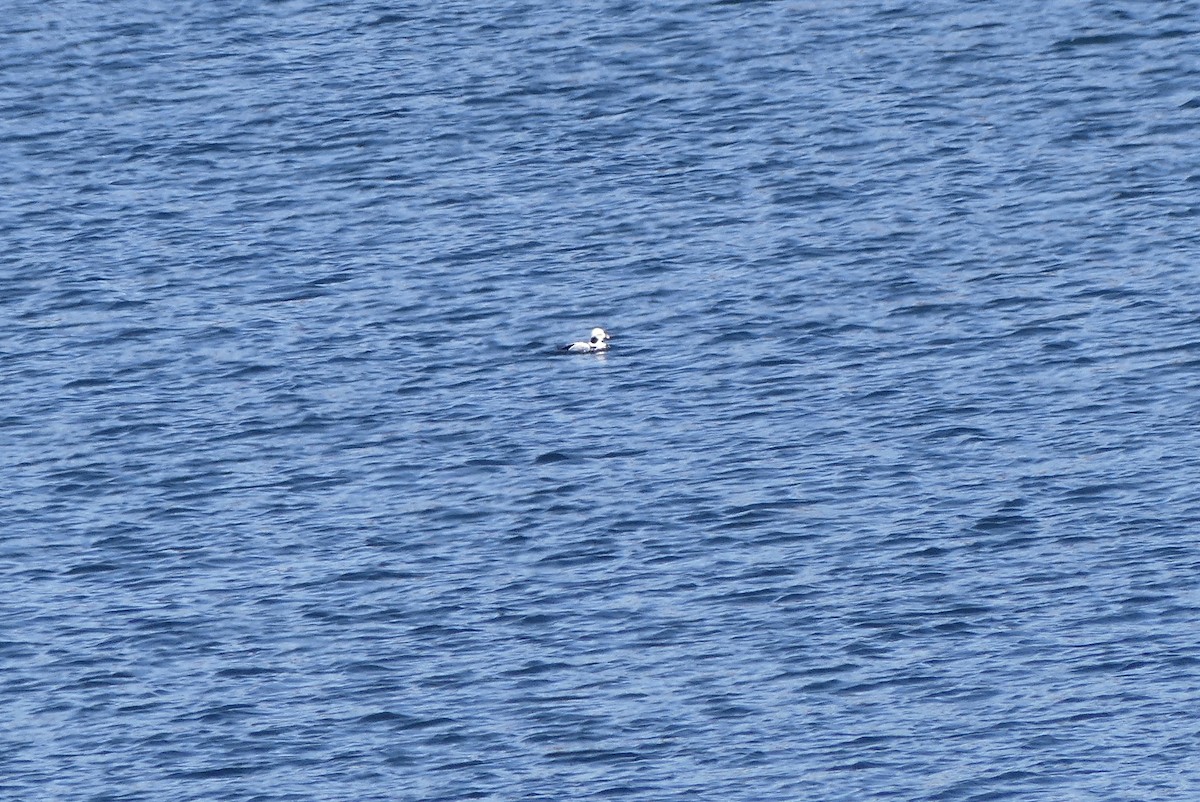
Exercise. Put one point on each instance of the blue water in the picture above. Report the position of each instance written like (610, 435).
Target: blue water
(889, 487)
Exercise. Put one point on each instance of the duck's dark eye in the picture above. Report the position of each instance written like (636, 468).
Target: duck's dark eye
(594, 340)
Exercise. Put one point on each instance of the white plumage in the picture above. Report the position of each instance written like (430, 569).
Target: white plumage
(598, 342)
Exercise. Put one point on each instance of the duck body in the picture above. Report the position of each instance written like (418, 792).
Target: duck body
(597, 342)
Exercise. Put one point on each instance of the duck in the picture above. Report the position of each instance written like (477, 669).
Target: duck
(598, 342)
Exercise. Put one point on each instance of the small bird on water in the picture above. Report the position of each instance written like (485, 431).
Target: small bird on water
(598, 342)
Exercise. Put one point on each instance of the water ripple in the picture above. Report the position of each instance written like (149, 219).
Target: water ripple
(885, 489)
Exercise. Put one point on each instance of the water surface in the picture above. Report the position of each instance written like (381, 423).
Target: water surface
(886, 490)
